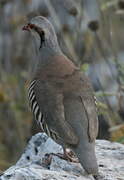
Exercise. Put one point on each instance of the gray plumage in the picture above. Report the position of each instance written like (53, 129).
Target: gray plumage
(61, 97)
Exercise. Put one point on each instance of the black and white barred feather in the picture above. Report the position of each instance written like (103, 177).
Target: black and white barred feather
(37, 112)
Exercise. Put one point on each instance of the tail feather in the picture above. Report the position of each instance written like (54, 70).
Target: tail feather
(77, 116)
(86, 155)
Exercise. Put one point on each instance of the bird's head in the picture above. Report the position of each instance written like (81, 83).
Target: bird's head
(43, 33)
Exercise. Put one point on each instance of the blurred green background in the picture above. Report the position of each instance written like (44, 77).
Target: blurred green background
(90, 32)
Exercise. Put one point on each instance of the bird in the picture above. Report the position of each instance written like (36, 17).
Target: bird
(61, 96)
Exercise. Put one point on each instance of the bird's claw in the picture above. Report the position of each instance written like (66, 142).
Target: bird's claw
(68, 156)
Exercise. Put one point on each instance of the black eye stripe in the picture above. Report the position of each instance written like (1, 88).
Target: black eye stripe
(42, 39)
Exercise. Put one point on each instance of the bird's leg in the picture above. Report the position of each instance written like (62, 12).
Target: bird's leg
(67, 155)
(70, 156)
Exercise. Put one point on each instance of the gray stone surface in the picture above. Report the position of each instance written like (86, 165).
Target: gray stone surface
(31, 167)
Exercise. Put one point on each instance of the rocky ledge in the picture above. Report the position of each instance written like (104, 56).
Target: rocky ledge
(32, 164)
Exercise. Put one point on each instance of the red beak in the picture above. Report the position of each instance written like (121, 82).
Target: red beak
(26, 28)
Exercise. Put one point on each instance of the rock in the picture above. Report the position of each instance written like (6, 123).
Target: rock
(31, 164)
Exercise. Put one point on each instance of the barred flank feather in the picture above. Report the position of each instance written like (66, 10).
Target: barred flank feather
(37, 112)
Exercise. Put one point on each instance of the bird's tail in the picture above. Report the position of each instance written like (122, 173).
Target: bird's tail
(85, 152)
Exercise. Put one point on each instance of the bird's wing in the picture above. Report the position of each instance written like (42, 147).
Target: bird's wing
(80, 109)
(89, 103)
(90, 110)
(51, 105)
(84, 121)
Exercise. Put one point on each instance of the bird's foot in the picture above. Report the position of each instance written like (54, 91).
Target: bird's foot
(68, 156)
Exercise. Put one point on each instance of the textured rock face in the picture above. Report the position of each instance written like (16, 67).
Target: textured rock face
(31, 165)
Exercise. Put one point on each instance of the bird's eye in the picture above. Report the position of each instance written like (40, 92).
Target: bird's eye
(31, 25)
